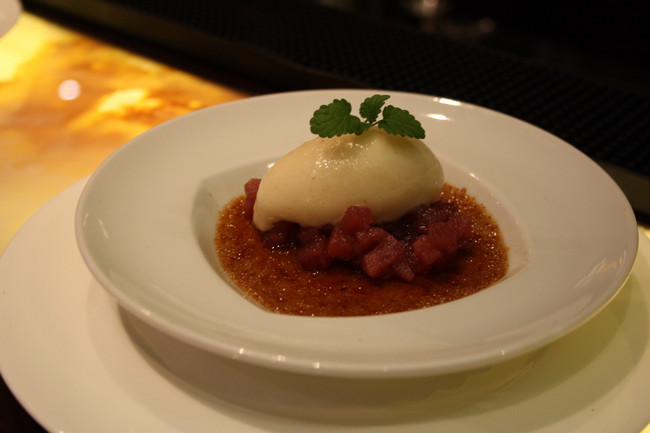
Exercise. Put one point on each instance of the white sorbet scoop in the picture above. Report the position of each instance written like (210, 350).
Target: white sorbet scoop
(314, 184)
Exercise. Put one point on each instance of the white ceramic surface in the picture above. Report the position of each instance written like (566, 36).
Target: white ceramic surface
(9, 13)
(80, 364)
(145, 225)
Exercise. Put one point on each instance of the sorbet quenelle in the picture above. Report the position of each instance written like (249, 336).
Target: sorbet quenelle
(315, 184)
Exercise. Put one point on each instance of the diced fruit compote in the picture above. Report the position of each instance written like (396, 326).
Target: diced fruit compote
(426, 238)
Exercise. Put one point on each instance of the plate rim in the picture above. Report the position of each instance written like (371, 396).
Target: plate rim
(275, 358)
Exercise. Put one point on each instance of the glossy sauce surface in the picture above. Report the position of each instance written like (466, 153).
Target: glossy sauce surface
(274, 280)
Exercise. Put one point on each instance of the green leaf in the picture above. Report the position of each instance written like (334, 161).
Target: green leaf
(371, 107)
(335, 119)
(400, 122)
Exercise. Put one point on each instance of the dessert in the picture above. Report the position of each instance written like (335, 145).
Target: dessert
(358, 221)
(315, 184)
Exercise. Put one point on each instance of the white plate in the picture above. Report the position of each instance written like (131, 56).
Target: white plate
(79, 364)
(9, 13)
(145, 226)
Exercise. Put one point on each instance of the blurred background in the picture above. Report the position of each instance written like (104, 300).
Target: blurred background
(604, 40)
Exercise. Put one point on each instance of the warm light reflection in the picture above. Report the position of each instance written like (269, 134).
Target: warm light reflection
(604, 265)
(120, 101)
(103, 227)
(69, 90)
(24, 41)
(438, 116)
(68, 101)
(450, 102)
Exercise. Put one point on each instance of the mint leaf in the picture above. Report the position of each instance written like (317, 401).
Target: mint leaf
(336, 119)
(400, 122)
(371, 107)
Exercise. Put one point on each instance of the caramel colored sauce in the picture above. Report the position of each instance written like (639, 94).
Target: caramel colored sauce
(275, 280)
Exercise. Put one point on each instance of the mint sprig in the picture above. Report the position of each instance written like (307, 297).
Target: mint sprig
(335, 119)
